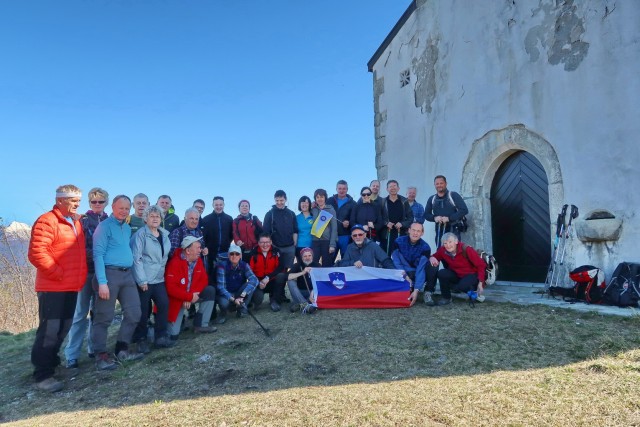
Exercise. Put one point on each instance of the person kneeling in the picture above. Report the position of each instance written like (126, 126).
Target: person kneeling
(236, 283)
(299, 283)
(186, 280)
(465, 269)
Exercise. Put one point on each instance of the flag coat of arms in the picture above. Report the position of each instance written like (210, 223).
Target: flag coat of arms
(366, 287)
(321, 222)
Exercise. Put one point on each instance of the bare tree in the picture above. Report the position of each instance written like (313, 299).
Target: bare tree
(18, 299)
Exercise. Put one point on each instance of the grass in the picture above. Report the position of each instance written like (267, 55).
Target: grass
(497, 364)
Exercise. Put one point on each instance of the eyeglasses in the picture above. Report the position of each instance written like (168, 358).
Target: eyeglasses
(365, 194)
(98, 202)
(264, 243)
(357, 235)
(234, 254)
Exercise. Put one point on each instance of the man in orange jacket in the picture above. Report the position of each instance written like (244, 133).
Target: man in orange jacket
(57, 251)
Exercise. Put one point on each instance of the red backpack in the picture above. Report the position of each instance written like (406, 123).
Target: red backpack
(589, 285)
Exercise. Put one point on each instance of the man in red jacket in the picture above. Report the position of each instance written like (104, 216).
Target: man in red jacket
(57, 251)
(187, 283)
(465, 271)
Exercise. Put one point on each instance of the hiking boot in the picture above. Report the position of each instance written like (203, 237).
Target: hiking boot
(220, 320)
(50, 385)
(242, 312)
(274, 305)
(104, 362)
(164, 342)
(143, 347)
(480, 298)
(309, 309)
(294, 308)
(204, 329)
(428, 299)
(72, 364)
(444, 301)
(128, 356)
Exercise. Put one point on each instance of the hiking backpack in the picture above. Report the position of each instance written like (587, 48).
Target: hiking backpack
(624, 290)
(588, 286)
(491, 272)
(462, 225)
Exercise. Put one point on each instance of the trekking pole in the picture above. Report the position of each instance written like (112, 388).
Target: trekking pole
(560, 243)
(266, 331)
(572, 216)
(554, 256)
(441, 228)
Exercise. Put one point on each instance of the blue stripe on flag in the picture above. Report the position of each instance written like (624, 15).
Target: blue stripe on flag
(361, 287)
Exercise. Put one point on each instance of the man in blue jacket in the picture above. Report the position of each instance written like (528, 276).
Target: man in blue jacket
(113, 261)
(411, 254)
(236, 283)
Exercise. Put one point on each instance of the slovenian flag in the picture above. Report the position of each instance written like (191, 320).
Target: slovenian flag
(366, 287)
(321, 222)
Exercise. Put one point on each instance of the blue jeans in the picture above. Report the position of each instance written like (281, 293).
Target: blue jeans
(343, 242)
(223, 302)
(298, 296)
(424, 272)
(80, 322)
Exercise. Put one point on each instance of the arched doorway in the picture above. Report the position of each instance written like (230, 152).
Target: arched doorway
(520, 219)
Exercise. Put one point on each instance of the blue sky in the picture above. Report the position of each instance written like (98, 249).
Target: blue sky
(189, 98)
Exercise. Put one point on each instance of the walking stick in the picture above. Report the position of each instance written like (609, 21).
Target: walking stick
(560, 222)
(565, 237)
(266, 331)
(574, 214)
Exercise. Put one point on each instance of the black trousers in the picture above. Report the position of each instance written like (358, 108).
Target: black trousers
(450, 280)
(55, 312)
(321, 250)
(275, 289)
(157, 293)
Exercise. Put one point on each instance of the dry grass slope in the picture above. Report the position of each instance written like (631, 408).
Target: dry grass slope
(497, 364)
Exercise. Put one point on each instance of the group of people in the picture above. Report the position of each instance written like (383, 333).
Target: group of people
(85, 263)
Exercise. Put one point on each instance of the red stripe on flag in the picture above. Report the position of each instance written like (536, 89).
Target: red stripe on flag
(368, 300)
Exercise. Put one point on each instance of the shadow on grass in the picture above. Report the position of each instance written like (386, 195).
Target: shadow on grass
(332, 347)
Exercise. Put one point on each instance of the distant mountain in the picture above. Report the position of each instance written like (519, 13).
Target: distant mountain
(18, 230)
(14, 243)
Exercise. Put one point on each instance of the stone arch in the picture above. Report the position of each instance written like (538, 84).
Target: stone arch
(485, 157)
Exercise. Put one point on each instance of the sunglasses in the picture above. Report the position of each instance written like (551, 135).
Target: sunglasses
(357, 235)
(365, 194)
(234, 254)
(98, 202)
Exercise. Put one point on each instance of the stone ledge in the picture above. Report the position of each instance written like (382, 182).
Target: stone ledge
(598, 230)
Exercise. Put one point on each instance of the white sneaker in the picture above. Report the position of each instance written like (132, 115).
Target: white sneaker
(480, 298)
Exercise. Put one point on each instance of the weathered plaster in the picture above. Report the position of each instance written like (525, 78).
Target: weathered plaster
(424, 68)
(559, 34)
(379, 119)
